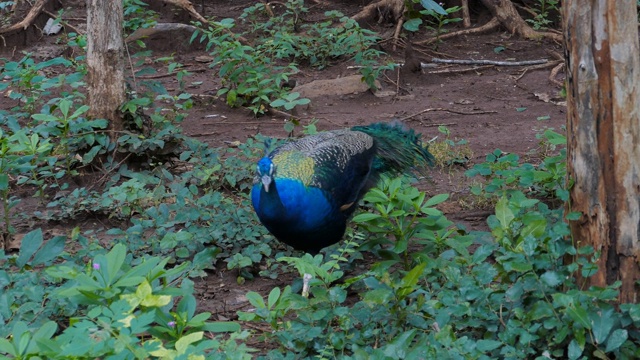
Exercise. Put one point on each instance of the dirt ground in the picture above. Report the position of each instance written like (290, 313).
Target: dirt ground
(495, 107)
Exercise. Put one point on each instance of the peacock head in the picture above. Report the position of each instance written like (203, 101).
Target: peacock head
(266, 171)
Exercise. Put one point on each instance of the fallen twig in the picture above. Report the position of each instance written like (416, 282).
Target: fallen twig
(448, 71)
(489, 26)
(448, 110)
(443, 124)
(64, 22)
(489, 62)
(282, 113)
(158, 76)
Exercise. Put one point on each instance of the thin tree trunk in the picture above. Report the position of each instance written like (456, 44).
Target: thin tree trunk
(603, 125)
(105, 62)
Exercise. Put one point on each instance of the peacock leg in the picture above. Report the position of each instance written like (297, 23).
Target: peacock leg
(305, 284)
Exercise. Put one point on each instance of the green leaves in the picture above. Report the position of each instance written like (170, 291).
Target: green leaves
(32, 253)
(408, 215)
(290, 101)
(504, 213)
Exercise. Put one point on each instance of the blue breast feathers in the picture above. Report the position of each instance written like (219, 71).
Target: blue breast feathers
(300, 208)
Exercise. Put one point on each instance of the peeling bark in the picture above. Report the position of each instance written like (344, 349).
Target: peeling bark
(603, 125)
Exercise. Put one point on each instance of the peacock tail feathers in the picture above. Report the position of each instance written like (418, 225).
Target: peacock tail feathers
(398, 148)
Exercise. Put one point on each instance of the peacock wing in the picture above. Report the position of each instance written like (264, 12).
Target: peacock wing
(337, 162)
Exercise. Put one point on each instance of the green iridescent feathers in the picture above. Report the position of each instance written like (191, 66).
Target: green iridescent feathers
(398, 148)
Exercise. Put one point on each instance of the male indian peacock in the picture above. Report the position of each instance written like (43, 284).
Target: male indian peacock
(305, 191)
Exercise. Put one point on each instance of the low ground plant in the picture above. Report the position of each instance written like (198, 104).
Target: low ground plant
(257, 75)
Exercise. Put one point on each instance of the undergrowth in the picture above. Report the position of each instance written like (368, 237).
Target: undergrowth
(126, 290)
(258, 75)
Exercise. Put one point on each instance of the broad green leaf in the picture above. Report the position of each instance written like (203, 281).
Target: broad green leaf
(185, 341)
(435, 200)
(378, 296)
(504, 213)
(200, 318)
(7, 348)
(4, 182)
(535, 228)
(364, 217)
(221, 326)
(145, 294)
(579, 315)
(30, 244)
(616, 339)
(82, 109)
(551, 278)
(274, 295)
(255, 299)
(518, 266)
(488, 345)
(433, 5)
(574, 215)
(409, 281)
(412, 24)
(602, 323)
(398, 347)
(50, 250)
(115, 259)
(574, 351)
(64, 106)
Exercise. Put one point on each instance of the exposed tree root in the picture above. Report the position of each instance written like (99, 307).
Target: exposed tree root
(540, 66)
(188, 7)
(36, 9)
(554, 73)
(508, 16)
(382, 10)
(489, 26)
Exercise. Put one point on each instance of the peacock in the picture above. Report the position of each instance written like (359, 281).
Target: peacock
(305, 191)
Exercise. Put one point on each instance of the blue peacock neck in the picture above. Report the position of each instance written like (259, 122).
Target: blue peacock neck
(270, 202)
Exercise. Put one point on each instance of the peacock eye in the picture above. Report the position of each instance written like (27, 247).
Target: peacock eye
(258, 169)
(272, 169)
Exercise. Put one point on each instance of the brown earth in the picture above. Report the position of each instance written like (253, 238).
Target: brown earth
(494, 107)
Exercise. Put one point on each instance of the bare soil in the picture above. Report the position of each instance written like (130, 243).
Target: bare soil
(495, 107)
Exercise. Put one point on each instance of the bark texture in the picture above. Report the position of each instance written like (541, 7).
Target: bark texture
(603, 124)
(105, 62)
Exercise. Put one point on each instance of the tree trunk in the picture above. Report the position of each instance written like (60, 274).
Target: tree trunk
(105, 62)
(603, 126)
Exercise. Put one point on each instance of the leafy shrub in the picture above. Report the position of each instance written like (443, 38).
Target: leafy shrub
(138, 16)
(254, 76)
(116, 307)
(542, 14)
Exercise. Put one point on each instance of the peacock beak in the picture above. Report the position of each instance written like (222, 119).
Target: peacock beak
(266, 182)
